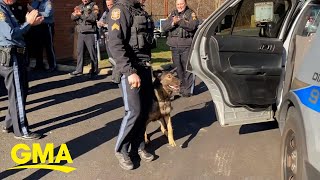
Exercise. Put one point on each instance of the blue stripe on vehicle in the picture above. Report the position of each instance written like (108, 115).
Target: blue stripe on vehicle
(310, 97)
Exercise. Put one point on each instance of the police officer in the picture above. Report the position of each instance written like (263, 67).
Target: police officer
(103, 24)
(12, 49)
(85, 15)
(181, 25)
(130, 39)
(43, 34)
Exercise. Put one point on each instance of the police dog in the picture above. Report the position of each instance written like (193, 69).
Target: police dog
(165, 84)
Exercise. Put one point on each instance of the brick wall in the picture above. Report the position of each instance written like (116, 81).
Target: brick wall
(64, 27)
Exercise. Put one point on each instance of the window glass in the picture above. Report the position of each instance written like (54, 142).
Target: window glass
(255, 18)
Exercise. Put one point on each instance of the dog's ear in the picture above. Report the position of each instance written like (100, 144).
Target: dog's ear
(157, 74)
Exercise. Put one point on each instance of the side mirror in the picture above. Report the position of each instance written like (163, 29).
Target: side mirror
(267, 29)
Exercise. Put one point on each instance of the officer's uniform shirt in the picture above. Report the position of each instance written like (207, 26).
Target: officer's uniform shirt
(120, 21)
(11, 33)
(87, 21)
(45, 9)
(188, 22)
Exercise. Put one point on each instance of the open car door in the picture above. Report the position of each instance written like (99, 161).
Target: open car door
(238, 52)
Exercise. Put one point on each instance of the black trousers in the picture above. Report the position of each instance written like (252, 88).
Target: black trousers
(180, 59)
(43, 36)
(15, 82)
(137, 103)
(87, 40)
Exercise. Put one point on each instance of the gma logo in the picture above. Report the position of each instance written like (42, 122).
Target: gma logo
(35, 154)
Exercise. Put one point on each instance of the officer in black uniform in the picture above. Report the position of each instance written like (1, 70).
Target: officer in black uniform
(130, 39)
(181, 25)
(86, 15)
(12, 50)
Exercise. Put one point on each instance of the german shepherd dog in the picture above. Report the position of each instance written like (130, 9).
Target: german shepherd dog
(165, 84)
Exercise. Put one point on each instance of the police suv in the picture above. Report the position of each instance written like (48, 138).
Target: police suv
(260, 62)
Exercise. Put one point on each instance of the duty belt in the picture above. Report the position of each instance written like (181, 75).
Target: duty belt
(19, 50)
(14, 49)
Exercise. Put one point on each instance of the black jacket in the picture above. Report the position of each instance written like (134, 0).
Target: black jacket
(86, 23)
(121, 35)
(181, 35)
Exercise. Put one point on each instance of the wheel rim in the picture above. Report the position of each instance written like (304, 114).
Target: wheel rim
(290, 157)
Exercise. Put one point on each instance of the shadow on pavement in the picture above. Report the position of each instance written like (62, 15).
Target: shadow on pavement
(62, 83)
(67, 96)
(186, 123)
(200, 88)
(82, 115)
(252, 128)
(78, 147)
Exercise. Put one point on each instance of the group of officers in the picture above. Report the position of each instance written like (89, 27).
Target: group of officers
(129, 39)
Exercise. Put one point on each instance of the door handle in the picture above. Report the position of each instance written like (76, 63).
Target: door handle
(268, 47)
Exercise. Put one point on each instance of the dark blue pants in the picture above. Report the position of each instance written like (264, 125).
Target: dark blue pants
(180, 59)
(15, 84)
(44, 39)
(137, 103)
(87, 40)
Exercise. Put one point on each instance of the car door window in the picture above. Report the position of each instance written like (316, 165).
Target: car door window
(255, 18)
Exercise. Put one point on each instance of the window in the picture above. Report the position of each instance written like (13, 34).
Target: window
(253, 17)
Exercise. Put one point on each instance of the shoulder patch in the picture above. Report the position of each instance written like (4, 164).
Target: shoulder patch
(115, 26)
(115, 14)
(2, 16)
(194, 16)
(49, 4)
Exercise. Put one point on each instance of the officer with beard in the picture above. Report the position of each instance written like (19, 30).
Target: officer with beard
(130, 38)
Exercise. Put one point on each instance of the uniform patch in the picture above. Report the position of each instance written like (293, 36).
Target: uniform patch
(2, 16)
(115, 14)
(194, 16)
(115, 26)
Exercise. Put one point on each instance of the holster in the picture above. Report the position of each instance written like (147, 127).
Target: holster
(116, 75)
(5, 55)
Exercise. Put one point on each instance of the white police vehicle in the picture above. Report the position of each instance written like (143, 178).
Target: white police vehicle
(260, 62)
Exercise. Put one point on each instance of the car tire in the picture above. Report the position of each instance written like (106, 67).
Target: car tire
(293, 147)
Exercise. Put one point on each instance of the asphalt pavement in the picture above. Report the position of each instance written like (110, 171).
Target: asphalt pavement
(86, 114)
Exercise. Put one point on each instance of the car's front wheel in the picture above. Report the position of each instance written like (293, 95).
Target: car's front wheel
(293, 147)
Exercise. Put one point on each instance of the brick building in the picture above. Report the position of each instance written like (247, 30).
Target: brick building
(64, 38)
(64, 27)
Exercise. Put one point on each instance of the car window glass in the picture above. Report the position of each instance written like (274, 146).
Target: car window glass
(257, 18)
